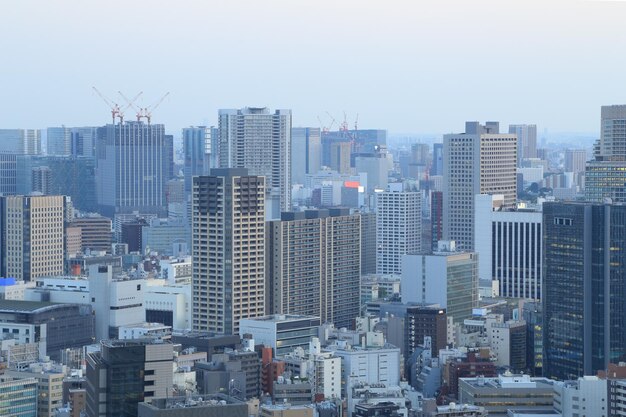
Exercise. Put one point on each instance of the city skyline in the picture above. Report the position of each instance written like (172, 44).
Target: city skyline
(434, 63)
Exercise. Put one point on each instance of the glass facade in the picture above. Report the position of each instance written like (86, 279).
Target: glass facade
(18, 398)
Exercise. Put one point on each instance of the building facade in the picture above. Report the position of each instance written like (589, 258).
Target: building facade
(228, 248)
(306, 153)
(526, 141)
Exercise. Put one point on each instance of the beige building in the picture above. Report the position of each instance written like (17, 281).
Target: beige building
(49, 386)
(32, 234)
(95, 232)
(479, 161)
(228, 248)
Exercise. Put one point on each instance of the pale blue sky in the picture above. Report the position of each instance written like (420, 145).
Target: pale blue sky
(408, 66)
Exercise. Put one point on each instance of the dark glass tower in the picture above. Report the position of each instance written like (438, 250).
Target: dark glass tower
(584, 288)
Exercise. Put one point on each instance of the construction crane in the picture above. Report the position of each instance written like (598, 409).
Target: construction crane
(131, 102)
(146, 112)
(115, 108)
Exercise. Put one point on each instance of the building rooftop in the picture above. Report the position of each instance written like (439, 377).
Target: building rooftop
(195, 401)
(510, 381)
(20, 306)
(279, 318)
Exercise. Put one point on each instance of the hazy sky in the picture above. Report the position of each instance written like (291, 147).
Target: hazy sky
(408, 66)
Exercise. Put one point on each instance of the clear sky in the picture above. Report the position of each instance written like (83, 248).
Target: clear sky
(408, 66)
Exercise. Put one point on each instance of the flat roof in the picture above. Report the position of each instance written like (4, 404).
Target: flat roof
(19, 306)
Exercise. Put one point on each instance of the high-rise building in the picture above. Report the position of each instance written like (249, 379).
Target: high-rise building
(20, 141)
(228, 248)
(256, 139)
(8, 173)
(368, 243)
(479, 161)
(436, 167)
(32, 236)
(605, 175)
(526, 141)
(134, 162)
(340, 157)
(314, 265)
(126, 372)
(509, 243)
(436, 218)
(398, 227)
(197, 143)
(575, 160)
(584, 291)
(447, 278)
(306, 153)
(59, 141)
(84, 141)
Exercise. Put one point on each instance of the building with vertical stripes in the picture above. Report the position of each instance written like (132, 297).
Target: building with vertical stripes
(509, 243)
(228, 248)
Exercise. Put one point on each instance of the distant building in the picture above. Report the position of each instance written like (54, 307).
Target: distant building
(198, 147)
(448, 278)
(281, 332)
(368, 243)
(306, 153)
(96, 233)
(526, 141)
(59, 141)
(20, 141)
(19, 397)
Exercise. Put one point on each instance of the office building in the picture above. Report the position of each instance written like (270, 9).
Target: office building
(8, 173)
(57, 326)
(306, 153)
(583, 300)
(509, 243)
(448, 278)
(436, 167)
(228, 249)
(126, 372)
(281, 332)
(197, 150)
(575, 160)
(32, 236)
(19, 397)
(49, 385)
(605, 175)
(398, 227)
(163, 236)
(340, 157)
(256, 139)
(134, 161)
(585, 396)
(526, 141)
(507, 391)
(214, 405)
(84, 141)
(479, 161)
(59, 141)
(376, 166)
(368, 243)
(313, 265)
(95, 232)
(532, 314)
(20, 141)
(436, 219)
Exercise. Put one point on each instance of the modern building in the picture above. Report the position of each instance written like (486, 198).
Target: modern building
(84, 140)
(526, 141)
(256, 139)
(282, 332)
(507, 391)
(509, 243)
(197, 150)
(398, 227)
(8, 173)
(306, 153)
(19, 397)
(376, 166)
(368, 243)
(134, 162)
(125, 373)
(436, 219)
(55, 325)
(447, 277)
(162, 236)
(584, 254)
(215, 405)
(340, 157)
(20, 141)
(585, 396)
(436, 167)
(96, 232)
(575, 160)
(59, 141)
(32, 234)
(479, 161)
(49, 379)
(228, 248)
(313, 265)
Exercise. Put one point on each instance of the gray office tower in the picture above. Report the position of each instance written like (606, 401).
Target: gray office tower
(584, 292)
(197, 151)
(259, 140)
(436, 166)
(306, 152)
(134, 162)
(313, 265)
(526, 141)
(59, 141)
(479, 161)
(228, 247)
(605, 175)
(20, 141)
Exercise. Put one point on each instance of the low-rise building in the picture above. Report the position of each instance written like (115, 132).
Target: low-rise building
(215, 405)
(283, 332)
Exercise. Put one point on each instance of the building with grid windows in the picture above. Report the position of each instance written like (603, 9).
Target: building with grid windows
(18, 397)
(479, 161)
(228, 248)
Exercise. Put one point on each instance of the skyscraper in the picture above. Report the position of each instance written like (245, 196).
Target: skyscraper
(32, 236)
(133, 164)
(197, 143)
(526, 141)
(479, 161)
(314, 265)
(306, 152)
(398, 227)
(575, 160)
(605, 175)
(20, 141)
(436, 167)
(256, 139)
(583, 300)
(228, 246)
(59, 141)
